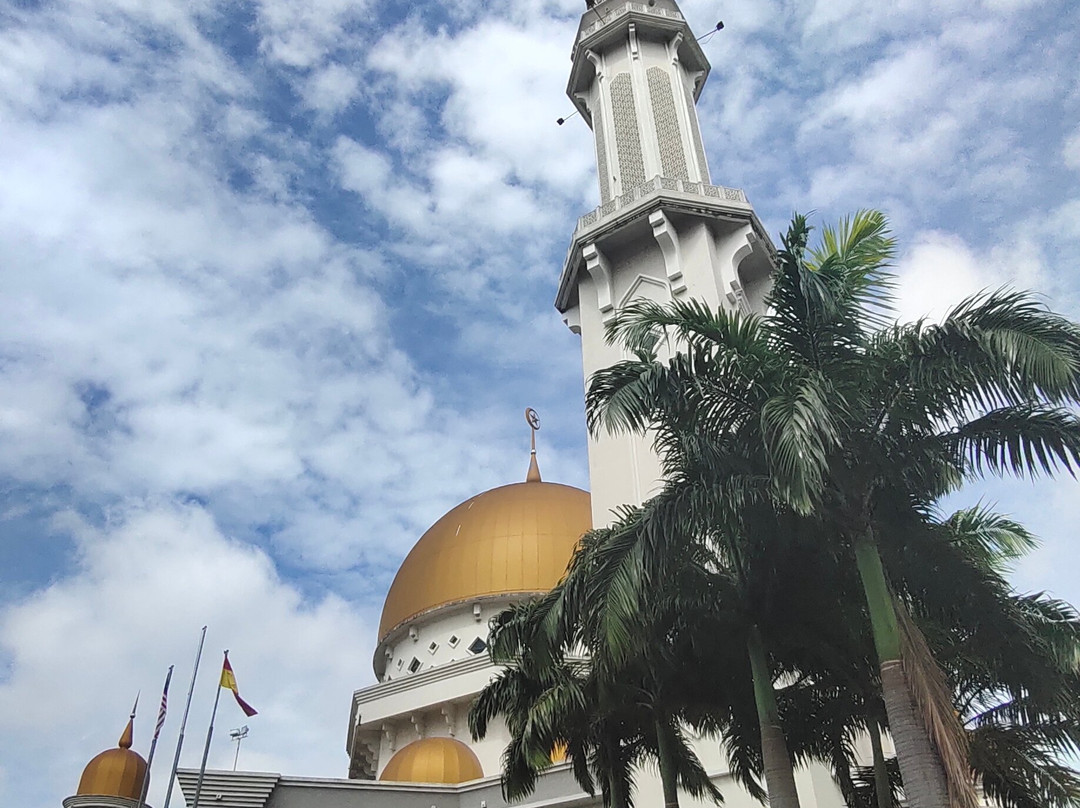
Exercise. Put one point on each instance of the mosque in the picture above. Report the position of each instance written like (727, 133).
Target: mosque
(663, 231)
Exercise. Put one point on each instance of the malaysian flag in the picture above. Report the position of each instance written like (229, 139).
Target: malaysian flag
(164, 705)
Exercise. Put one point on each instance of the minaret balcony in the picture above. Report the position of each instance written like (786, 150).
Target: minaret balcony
(657, 185)
(625, 217)
(614, 16)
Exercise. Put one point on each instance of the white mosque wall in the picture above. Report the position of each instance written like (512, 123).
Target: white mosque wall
(446, 635)
(433, 699)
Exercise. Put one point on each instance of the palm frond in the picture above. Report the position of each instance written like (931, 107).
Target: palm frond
(1022, 440)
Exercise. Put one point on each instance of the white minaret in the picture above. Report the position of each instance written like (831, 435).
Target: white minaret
(662, 230)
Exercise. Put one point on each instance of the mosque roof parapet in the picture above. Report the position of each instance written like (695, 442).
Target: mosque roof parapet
(265, 789)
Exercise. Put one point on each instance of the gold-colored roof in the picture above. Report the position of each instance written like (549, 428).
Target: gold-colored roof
(433, 760)
(115, 772)
(516, 539)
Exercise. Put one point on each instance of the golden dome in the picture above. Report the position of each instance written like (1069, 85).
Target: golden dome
(516, 539)
(433, 760)
(115, 772)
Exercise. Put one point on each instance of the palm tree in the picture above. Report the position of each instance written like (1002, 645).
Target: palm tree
(840, 409)
(550, 700)
(565, 684)
(744, 581)
(1012, 661)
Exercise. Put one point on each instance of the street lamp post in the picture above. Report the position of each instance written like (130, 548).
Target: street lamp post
(238, 735)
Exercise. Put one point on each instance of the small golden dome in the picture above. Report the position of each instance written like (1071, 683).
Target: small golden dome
(433, 760)
(115, 772)
(516, 539)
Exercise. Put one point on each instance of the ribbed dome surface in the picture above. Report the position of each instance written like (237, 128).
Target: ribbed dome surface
(115, 772)
(515, 539)
(433, 760)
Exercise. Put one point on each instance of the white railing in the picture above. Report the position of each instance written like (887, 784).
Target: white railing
(656, 185)
(621, 11)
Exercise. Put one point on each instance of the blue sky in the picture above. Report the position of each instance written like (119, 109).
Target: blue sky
(276, 286)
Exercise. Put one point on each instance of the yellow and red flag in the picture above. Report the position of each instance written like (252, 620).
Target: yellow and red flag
(228, 679)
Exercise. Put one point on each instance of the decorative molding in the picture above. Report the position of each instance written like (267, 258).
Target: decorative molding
(695, 136)
(449, 714)
(668, 239)
(634, 292)
(737, 298)
(417, 720)
(572, 319)
(660, 185)
(364, 760)
(627, 133)
(599, 269)
(736, 295)
(668, 132)
(391, 736)
(603, 173)
(673, 47)
(699, 81)
(635, 49)
(597, 63)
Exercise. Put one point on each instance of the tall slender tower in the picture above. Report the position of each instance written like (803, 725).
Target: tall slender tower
(663, 231)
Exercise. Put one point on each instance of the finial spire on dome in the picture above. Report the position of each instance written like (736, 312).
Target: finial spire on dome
(129, 731)
(533, 420)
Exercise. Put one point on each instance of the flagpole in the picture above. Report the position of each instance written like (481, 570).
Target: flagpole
(183, 721)
(206, 749)
(153, 743)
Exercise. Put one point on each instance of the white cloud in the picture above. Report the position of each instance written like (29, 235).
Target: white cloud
(332, 88)
(302, 33)
(506, 85)
(146, 581)
(159, 313)
(939, 270)
(1070, 150)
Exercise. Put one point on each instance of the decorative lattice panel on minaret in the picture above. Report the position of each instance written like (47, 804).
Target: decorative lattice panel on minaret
(695, 135)
(627, 139)
(602, 172)
(672, 156)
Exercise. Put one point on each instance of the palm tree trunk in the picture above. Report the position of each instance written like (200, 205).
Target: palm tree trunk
(618, 796)
(779, 772)
(925, 785)
(882, 785)
(669, 775)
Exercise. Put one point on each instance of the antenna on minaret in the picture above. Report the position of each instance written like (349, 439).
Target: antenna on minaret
(533, 420)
